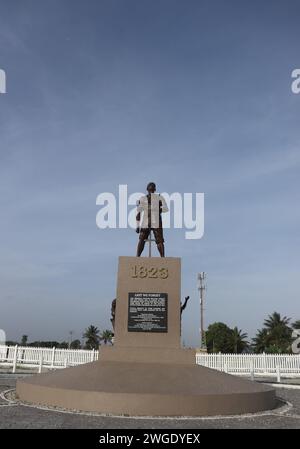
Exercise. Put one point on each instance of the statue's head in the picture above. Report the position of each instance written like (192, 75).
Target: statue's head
(151, 187)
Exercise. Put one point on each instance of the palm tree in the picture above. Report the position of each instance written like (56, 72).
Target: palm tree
(91, 335)
(239, 340)
(276, 335)
(106, 336)
(260, 342)
(279, 331)
(275, 320)
(296, 324)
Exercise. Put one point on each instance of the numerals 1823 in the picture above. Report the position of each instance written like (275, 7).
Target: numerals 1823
(140, 271)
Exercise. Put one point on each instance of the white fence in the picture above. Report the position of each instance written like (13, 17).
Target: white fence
(28, 357)
(285, 365)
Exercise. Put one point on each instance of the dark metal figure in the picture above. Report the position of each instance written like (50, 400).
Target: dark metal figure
(152, 206)
(113, 312)
(182, 307)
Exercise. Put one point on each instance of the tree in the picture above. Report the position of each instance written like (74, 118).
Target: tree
(11, 343)
(275, 320)
(91, 335)
(296, 324)
(44, 344)
(219, 338)
(24, 340)
(275, 336)
(239, 340)
(279, 332)
(106, 336)
(75, 344)
(260, 341)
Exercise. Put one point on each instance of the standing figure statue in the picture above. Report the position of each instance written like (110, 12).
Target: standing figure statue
(182, 307)
(113, 313)
(151, 206)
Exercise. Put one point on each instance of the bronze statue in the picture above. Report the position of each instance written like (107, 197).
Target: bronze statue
(152, 206)
(113, 312)
(182, 307)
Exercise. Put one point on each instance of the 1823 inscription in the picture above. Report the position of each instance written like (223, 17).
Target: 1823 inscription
(140, 271)
(147, 312)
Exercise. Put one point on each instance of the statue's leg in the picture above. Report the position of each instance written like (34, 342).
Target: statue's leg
(161, 249)
(159, 239)
(140, 247)
(144, 234)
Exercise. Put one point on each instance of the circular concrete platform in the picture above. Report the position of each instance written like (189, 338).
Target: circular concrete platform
(146, 389)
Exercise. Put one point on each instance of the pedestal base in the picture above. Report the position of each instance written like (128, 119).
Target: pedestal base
(146, 373)
(147, 355)
(146, 389)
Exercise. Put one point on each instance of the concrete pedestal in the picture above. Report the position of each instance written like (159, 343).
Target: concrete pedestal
(146, 389)
(146, 372)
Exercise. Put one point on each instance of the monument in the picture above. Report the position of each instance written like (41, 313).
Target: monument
(147, 372)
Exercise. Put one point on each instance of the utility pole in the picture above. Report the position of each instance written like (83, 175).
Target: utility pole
(201, 288)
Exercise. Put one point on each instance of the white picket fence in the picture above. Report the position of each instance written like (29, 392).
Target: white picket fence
(279, 365)
(285, 365)
(29, 357)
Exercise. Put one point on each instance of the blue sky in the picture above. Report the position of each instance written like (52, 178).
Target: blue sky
(193, 95)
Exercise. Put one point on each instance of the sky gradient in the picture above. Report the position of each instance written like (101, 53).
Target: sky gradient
(195, 96)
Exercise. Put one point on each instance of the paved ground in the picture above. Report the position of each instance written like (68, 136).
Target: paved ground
(20, 416)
